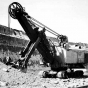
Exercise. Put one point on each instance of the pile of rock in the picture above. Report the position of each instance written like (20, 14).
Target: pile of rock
(13, 78)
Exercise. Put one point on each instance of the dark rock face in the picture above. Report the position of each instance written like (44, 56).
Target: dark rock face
(11, 42)
(12, 37)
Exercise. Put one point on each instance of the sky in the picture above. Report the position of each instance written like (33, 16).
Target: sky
(66, 17)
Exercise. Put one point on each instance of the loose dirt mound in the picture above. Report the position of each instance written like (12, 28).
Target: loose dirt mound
(14, 78)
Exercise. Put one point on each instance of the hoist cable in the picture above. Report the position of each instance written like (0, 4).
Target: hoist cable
(55, 33)
(43, 27)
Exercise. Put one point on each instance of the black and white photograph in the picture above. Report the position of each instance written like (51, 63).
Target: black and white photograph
(43, 44)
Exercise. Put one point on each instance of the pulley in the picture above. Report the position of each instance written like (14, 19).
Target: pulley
(13, 8)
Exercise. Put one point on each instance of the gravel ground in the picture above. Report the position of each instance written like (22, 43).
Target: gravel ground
(14, 78)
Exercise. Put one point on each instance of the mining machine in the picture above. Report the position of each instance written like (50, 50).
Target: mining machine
(38, 40)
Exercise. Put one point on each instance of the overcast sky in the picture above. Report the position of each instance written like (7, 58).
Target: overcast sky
(67, 17)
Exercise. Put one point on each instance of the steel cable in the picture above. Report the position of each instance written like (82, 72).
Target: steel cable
(44, 26)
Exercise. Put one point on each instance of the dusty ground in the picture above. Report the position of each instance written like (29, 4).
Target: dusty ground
(13, 78)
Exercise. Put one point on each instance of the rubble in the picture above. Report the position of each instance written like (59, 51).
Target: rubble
(17, 79)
